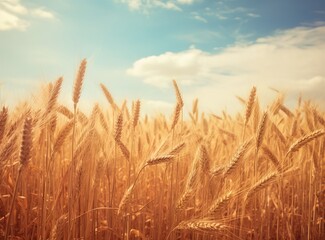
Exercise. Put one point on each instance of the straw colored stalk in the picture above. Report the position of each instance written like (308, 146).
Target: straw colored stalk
(25, 155)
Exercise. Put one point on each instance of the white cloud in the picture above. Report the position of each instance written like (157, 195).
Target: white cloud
(201, 36)
(14, 15)
(186, 1)
(14, 6)
(10, 21)
(224, 12)
(290, 60)
(167, 5)
(201, 19)
(145, 5)
(42, 13)
(253, 15)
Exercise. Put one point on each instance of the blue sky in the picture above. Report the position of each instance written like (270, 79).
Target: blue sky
(214, 49)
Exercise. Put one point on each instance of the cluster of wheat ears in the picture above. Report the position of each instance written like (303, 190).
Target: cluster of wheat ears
(112, 174)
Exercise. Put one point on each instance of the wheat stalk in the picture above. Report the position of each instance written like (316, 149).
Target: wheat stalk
(25, 155)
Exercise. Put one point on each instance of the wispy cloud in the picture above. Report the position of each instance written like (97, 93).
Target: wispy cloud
(186, 1)
(201, 36)
(14, 15)
(146, 5)
(224, 12)
(198, 17)
(14, 6)
(253, 15)
(201, 19)
(290, 60)
(42, 13)
(10, 21)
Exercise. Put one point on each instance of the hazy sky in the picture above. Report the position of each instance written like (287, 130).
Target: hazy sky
(214, 49)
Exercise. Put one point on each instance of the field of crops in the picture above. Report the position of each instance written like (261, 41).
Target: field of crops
(114, 173)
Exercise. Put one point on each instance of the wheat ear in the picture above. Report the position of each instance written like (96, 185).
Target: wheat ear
(220, 202)
(177, 149)
(304, 140)
(136, 113)
(3, 121)
(207, 225)
(234, 162)
(261, 131)
(78, 82)
(54, 95)
(250, 104)
(185, 197)
(118, 127)
(26, 145)
(178, 94)
(272, 157)
(176, 115)
(65, 111)
(124, 150)
(108, 96)
(62, 135)
(160, 159)
(262, 183)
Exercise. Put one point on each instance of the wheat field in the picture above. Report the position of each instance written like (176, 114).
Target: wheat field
(115, 173)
